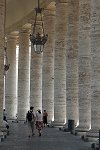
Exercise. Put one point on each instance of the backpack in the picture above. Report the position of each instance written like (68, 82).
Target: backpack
(29, 116)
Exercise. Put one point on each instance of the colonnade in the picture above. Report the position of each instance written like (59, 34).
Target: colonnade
(64, 79)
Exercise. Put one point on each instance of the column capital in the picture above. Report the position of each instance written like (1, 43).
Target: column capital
(25, 29)
(49, 12)
(13, 35)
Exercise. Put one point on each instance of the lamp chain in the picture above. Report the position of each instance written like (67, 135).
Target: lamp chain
(38, 4)
(35, 23)
(6, 65)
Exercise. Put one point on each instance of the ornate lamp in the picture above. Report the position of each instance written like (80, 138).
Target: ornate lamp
(38, 40)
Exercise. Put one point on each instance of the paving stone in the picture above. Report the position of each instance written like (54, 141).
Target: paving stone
(51, 139)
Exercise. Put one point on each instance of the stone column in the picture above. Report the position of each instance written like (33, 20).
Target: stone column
(23, 74)
(95, 53)
(48, 65)
(36, 76)
(72, 62)
(2, 9)
(95, 47)
(84, 65)
(60, 62)
(10, 79)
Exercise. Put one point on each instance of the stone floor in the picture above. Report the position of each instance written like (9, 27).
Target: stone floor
(52, 139)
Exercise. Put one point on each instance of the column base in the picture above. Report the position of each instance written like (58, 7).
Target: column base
(57, 124)
(64, 128)
(15, 121)
(92, 135)
(69, 127)
(81, 131)
(19, 120)
(82, 128)
(12, 120)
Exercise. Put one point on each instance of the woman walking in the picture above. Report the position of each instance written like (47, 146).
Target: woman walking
(39, 122)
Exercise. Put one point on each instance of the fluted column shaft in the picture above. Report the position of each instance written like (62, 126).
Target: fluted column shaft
(72, 61)
(60, 63)
(2, 9)
(10, 80)
(23, 74)
(48, 65)
(84, 65)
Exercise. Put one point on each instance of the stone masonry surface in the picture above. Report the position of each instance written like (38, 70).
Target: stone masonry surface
(52, 139)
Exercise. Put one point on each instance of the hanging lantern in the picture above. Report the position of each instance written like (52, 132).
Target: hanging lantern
(38, 40)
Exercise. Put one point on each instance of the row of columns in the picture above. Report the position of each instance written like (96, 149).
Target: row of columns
(64, 80)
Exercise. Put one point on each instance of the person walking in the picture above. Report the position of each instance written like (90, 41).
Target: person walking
(5, 124)
(45, 115)
(30, 119)
(39, 122)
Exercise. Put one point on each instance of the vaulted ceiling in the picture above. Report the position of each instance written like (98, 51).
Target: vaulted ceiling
(19, 12)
